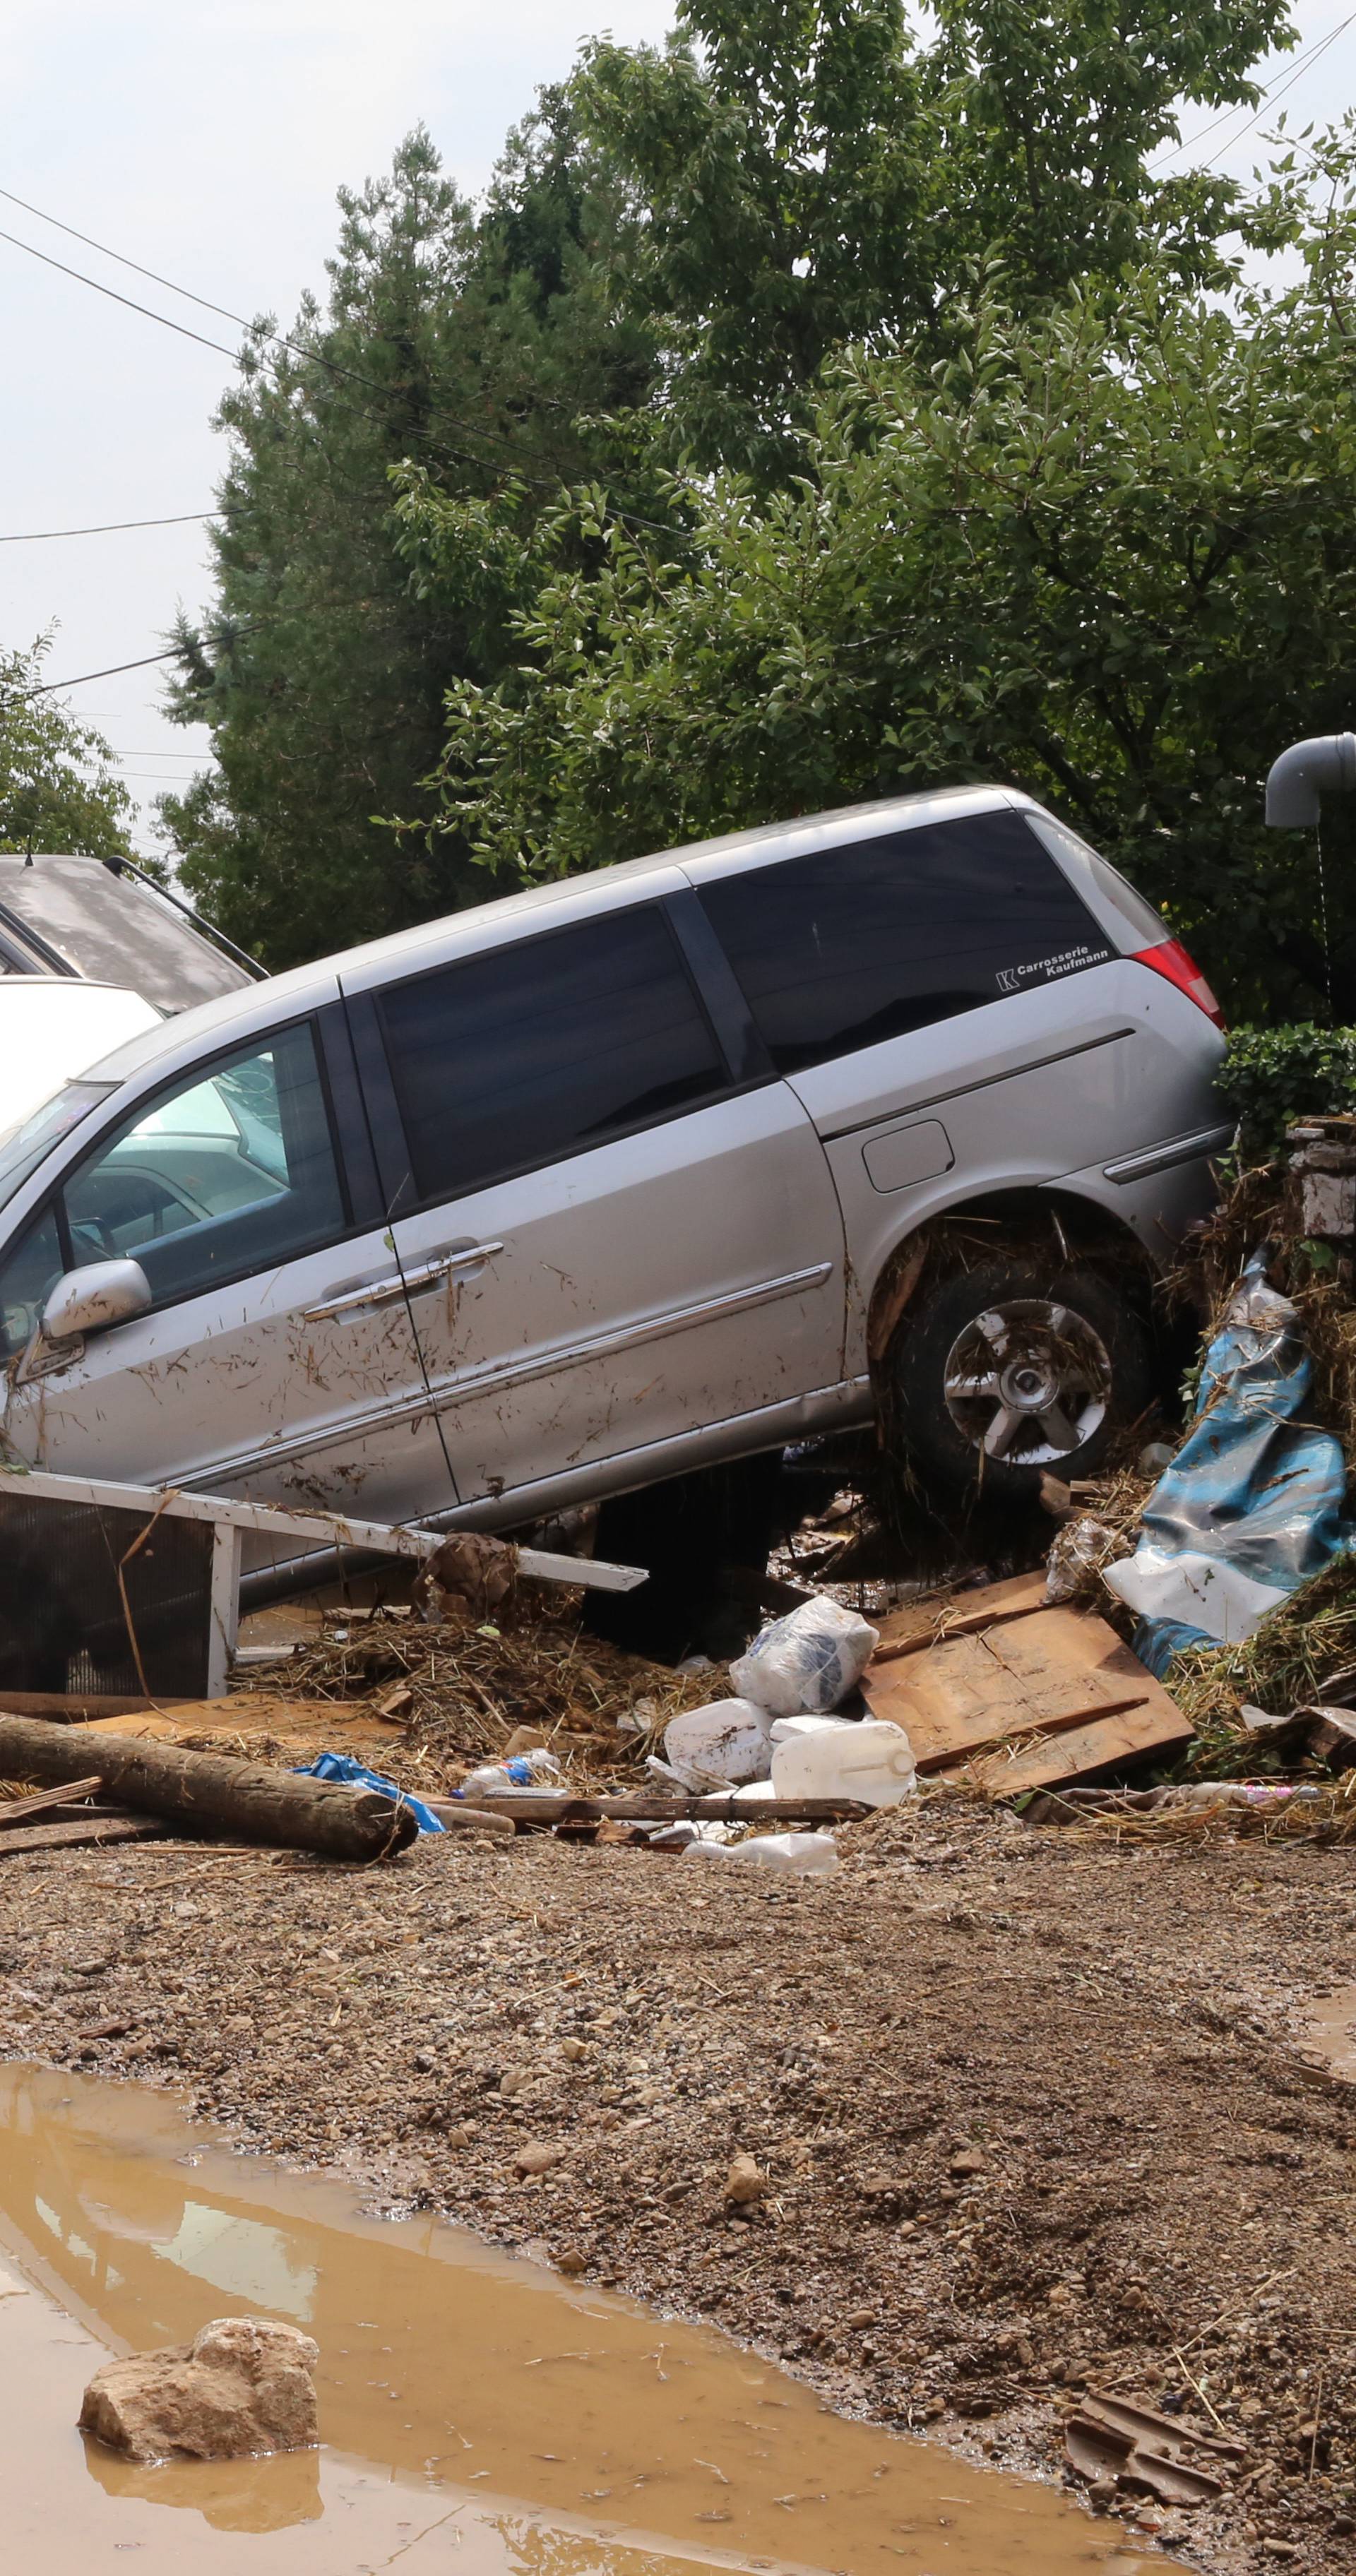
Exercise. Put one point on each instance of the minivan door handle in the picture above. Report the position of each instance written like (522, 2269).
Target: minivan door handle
(444, 1265)
(411, 1283)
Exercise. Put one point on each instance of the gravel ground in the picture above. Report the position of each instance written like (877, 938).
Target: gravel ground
(1031, 2108)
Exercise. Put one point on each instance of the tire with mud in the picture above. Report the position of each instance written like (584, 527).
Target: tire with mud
(1011, 1371)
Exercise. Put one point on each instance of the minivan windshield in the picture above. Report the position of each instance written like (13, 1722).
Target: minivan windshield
(23, 1147)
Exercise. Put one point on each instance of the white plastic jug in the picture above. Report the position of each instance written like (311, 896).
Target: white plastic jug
(725, 1741)
(872, 1761)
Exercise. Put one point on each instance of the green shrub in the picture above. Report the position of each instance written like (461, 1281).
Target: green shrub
(1271, 1077)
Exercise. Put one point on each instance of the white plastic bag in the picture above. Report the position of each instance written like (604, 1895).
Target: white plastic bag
(1076, 1556)
(793, 1855)
(720, 1744)
(872, 1762)
(807, 1661)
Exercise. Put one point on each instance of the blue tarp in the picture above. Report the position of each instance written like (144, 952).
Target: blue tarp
(341, 1766)
(1251, 1506)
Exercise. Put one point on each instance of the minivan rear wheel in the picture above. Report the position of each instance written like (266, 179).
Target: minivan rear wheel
(1006, 1373)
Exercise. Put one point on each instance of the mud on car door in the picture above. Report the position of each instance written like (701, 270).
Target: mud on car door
(621, 1239)
(278, 1353)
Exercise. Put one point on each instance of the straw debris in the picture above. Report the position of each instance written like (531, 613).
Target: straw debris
(470, 1689)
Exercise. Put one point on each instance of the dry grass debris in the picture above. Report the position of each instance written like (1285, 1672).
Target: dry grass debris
(464, 1691)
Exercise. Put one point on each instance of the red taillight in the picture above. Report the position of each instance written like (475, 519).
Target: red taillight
(1170, 958)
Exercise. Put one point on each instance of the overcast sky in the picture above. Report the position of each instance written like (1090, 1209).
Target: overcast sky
(206, 139)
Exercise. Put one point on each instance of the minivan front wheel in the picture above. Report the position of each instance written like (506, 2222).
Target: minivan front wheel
(1006, 1373)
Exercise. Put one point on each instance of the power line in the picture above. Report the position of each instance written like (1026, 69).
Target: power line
(259, 331)
(314, 357)
(123, 262)
(46, 688)
(109, 527)
(1298, 63)
(1279, 92)
(176, 652)
(111, 291)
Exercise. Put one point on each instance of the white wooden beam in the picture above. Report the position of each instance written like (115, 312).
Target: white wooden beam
(333, 1529)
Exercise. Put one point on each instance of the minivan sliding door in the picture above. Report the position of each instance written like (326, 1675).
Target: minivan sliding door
(616, 1242)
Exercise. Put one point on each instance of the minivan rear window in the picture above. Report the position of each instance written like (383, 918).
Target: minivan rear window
(846, 947)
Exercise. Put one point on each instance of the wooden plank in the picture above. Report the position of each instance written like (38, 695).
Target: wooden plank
(16, 1811)
(551, 1806)
(99, 1829)
(1079, 1752)
(69, 1708)
(270, 1520)
(1028, 1696)
(958, 1614)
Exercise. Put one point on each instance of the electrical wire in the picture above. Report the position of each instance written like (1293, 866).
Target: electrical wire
(47, 688)
(1279, 91)
(122, 260)
(313, 357)
(111, 527)
(111, 291)
(257, 330)
(1295, 64)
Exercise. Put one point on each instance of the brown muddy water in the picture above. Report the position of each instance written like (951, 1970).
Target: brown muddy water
(478, 2413)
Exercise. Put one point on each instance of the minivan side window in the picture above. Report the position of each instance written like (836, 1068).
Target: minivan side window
(524, 1054)
(232, 1169)
(846, 947)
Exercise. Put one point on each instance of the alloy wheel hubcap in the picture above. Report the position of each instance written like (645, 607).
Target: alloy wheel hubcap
(1028, 1382)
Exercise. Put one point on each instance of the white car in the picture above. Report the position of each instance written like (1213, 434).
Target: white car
(629, 1174)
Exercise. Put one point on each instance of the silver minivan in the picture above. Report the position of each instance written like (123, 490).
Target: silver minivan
(682, 1161)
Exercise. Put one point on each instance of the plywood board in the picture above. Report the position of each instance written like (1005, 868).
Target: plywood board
(244, 1713)
(1024, 1697)
(1051, 1669)
(957, 1614)
(1079, 1752)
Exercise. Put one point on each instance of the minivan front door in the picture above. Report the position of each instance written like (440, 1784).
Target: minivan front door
(617, 1245)
(278, 1358)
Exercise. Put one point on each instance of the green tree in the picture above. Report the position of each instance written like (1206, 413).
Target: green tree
(59, 789)
(1110, 558)
(466, 351)
(813, 175)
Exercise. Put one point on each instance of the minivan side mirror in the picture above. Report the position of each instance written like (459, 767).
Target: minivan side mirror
(88, 1301)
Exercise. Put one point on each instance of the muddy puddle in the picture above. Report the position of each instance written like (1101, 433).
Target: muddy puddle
(478, 2413)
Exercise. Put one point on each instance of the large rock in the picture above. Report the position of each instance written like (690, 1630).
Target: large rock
(242, 2386)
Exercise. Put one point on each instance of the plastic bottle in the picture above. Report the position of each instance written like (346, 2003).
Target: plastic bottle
(872, 1761)
(793, 1855)
(520, 1771)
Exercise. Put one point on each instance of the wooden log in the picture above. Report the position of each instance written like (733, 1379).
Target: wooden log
(211, 1792)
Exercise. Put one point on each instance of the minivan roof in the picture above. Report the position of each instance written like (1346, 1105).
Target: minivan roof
(303, 987)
